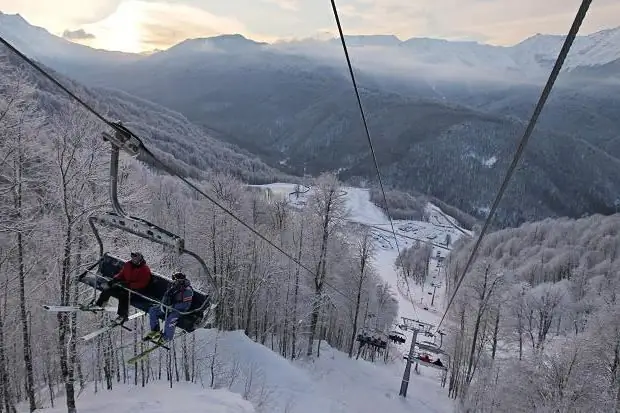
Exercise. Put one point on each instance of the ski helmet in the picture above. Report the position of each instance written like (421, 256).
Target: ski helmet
(136, 257)
(178, 276)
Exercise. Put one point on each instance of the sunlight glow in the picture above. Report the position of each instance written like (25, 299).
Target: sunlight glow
(120, 31)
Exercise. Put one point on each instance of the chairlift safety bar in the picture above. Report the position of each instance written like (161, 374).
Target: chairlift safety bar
(140, 228)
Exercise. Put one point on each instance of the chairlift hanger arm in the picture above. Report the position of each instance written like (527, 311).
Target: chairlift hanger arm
(125, 140)
(114, 154)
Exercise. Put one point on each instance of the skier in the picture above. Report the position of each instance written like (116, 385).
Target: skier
(425, 357)
(179, 297)
(135, 275)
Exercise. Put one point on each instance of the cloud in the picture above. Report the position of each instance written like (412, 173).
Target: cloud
(162, 25)
(123, 24)
(57, 15)
(499, 21)
(291, 5)
(139, 25)
(78, 34)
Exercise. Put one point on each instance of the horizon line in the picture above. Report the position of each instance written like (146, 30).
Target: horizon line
(319, 37)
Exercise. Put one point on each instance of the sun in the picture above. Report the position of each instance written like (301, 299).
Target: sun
(120, 31)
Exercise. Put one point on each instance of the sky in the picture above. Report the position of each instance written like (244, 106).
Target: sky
(143, 25)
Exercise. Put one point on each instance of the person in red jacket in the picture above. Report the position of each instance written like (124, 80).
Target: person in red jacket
(135, 275)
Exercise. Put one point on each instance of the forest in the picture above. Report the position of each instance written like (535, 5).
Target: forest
(534, 326)
(54, 173)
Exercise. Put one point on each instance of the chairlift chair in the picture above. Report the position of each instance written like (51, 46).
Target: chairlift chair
(108, 265)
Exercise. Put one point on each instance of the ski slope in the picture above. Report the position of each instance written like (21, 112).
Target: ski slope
(252, 378)
(331, 383)
(412, 299)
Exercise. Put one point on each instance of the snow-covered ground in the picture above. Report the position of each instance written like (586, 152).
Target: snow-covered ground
(412, 299)
(415, 301)
(157, 397)
(333, 383)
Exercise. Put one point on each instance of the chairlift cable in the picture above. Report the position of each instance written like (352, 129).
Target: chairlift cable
(568, 42)
(371, 147)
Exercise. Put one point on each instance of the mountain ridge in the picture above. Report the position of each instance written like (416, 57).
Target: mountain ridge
(436, 129)
(585, 46)
(194, 155)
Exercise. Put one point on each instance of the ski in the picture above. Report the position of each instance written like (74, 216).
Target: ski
(157, 345)
(75, 308)
(142, 355)
(145, 353)
(109, 327)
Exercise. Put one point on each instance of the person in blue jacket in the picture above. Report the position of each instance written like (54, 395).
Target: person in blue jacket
(179, 297)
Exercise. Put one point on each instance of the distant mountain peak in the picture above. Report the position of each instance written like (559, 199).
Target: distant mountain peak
(237, 36)
(531, 58)
(16, 19)
(371, 40)
(234, 38)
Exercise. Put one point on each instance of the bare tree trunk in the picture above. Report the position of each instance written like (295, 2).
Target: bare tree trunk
(185, 358)
(321, 269)
(25, 329)
(314, 318)
(73, 354)
(66, 368)
(296, 294)
(5, 384)
(18, 199)
(364, 254)
(495, 334)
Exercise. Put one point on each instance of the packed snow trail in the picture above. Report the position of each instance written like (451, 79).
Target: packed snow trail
(412, 299)
(331, 383)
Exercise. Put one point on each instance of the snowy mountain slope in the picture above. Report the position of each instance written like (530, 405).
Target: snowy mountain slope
(412, 299)
(162, 129)
(41, 45)
(594, 49)
(424, 303)
(524, 61)
(528, 59)
(330, 383)
(279, 107)
(244, 369)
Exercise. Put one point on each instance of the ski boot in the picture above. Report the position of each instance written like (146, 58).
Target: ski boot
(120, 320)
(152, 334)
(155, 337)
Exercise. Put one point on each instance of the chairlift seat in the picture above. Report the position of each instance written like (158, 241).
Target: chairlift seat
(110, 265)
